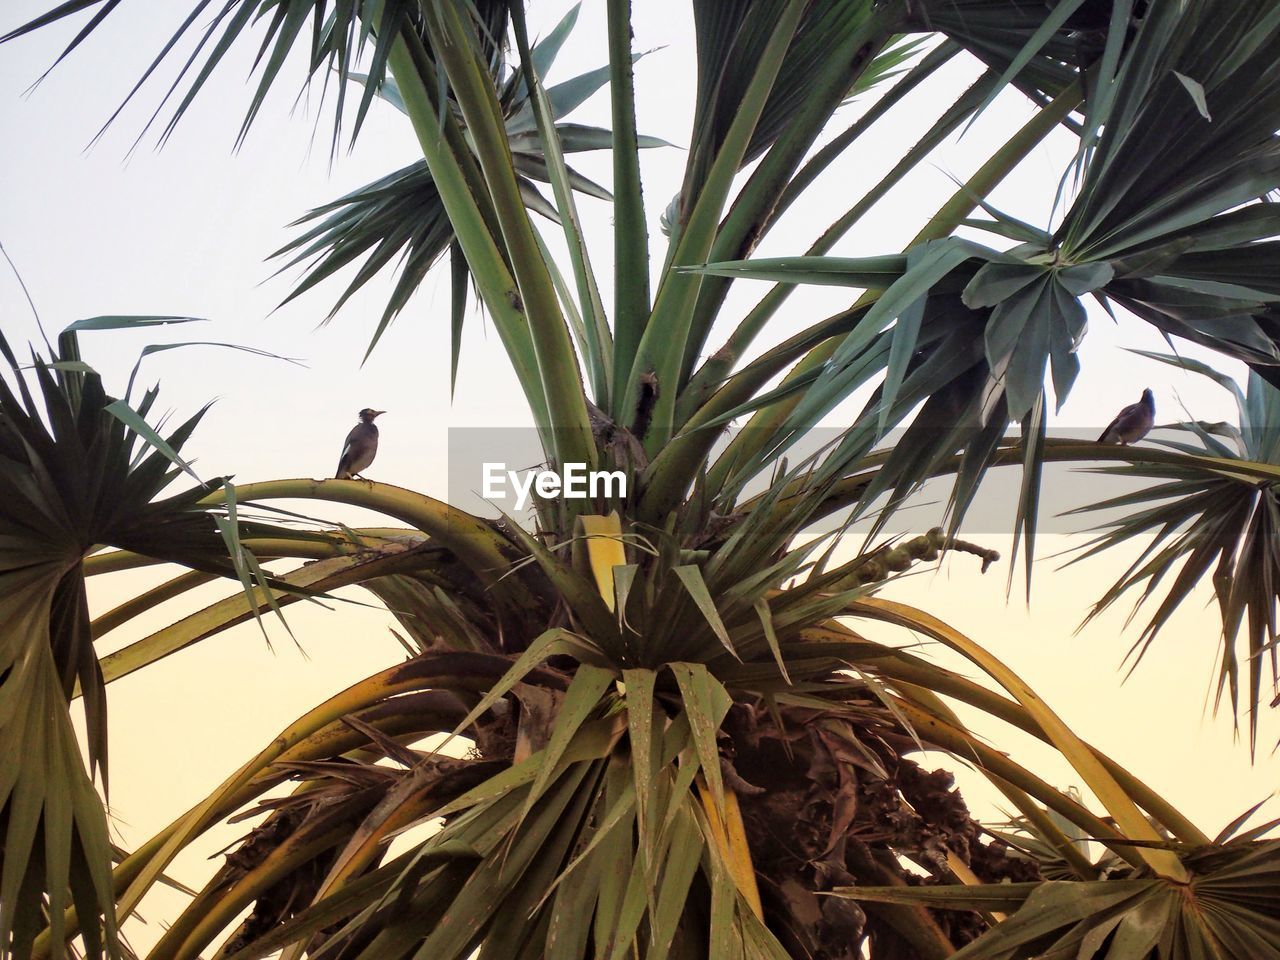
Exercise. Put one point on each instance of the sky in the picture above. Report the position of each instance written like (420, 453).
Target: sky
(106, 226)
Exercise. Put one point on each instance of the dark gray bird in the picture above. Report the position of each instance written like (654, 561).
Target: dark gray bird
(361, 446)
(1132, 423)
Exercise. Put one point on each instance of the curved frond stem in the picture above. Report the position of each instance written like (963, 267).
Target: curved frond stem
(570, 429)
(467, 673)
(136, 606)
(476, 543)
(264, 548)
(598, 346)
(217, 905)
(902, 666)
(320, 576)
(1093, 772)
(934, 730)
(849, 490)
(493, 277)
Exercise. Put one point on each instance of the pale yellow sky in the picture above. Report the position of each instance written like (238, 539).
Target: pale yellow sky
(187, 229)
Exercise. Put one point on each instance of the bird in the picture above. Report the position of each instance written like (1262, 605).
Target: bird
(1132, 423)
(360, 447)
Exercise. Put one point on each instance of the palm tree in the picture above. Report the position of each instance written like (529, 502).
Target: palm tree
(680, 744)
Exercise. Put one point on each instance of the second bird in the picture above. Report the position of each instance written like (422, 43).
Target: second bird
(361, 446)
(1132, 423)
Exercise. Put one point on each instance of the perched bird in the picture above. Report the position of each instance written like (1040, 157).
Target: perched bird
(361, 446)
(1132, 423)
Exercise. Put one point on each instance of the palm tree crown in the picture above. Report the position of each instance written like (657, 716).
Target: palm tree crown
(680, 744)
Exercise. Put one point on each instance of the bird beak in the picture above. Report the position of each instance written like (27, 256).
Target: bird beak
(378, 413)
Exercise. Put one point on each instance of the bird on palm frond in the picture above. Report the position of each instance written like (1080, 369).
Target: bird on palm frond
(360, 447)
(1132, 423)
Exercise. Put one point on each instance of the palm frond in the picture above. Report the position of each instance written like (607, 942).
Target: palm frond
(1208, 525)
(400, 219)
(336, 35)
(1023, 305)
(1125, 918)
(76, 474)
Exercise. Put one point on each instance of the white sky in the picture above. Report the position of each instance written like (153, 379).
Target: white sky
(186, 230)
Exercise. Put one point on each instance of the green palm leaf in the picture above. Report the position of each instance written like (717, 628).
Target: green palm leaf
(80, 470)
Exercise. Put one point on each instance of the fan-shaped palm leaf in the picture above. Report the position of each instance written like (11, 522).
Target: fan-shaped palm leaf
(1209, 523)
(402, 215)
(1128, 919)
(80, 470)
